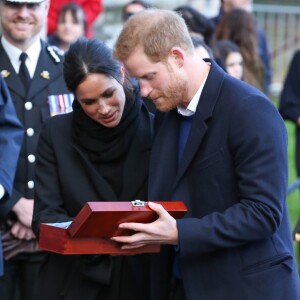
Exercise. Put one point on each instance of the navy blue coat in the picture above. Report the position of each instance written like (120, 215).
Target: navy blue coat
(235, 243)
(11, 135)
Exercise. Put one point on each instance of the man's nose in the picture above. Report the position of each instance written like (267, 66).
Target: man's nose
(145, 89)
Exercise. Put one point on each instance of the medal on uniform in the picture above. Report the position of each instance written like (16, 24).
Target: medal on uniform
(5, 73)
(60, 104)
(45, 75)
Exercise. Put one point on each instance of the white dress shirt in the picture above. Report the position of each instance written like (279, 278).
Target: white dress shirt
(191, 109)
(2, 191)
(14, 53)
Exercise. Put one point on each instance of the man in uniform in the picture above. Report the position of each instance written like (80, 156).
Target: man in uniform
(33, 73)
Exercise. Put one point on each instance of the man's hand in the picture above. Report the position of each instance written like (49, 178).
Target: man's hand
(21, 232)
(162, 231)
(24, 211)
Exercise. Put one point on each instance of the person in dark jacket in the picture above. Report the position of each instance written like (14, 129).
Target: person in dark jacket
(221, 147)
(71, 25)
(289, 105)
(11, 136)
(98, 152)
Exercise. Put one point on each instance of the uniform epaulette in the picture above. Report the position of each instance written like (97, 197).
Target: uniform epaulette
(54, 54)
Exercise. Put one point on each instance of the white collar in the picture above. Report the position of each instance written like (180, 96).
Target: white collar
(191, 109)
(14, 53)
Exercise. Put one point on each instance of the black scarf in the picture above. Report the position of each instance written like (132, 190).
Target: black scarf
(106, 144)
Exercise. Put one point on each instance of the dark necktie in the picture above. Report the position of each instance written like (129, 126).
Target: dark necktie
(23, 72)
(185, 126)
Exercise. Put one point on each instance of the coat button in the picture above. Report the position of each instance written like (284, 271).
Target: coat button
(31, 158)
(30, 184)
(28, 105)
(30, 131)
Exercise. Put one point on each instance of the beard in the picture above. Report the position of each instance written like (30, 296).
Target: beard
(173, 96)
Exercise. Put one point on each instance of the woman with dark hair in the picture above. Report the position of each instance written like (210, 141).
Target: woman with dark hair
(239, 26)
(133, 7)
(98, 152)
(71, 25)
(201, 47)
(230, 58)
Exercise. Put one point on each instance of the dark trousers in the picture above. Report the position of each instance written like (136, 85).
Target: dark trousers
(178, 292)
(20, 277)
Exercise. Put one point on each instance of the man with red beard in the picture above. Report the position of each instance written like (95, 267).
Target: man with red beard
(33, 73)
(221, 147)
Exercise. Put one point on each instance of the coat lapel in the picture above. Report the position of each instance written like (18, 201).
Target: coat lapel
(163, 161)
(204, 112)
(194, 141)
(9, 74)
(45, 65)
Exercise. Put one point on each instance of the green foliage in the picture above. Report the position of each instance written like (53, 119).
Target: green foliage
(293, 199)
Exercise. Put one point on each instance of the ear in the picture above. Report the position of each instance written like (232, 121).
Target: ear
(178, 56)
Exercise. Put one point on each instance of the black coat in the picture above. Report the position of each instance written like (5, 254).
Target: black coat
(65, 180)
(32, 110)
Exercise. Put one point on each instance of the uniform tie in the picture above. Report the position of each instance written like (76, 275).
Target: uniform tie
(23, 71)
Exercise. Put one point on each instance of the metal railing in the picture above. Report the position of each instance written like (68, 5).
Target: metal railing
(282, 27)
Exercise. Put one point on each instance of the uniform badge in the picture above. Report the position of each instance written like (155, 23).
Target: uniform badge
(53, 54)
(5, 73)
(45, 75)
(60, 104)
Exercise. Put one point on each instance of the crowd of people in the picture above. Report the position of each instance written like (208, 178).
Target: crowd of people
(177, 110)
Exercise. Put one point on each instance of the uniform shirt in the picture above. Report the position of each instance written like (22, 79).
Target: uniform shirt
(14, 55)
(2, 191)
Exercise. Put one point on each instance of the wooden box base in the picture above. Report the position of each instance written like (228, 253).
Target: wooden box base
(56, 239)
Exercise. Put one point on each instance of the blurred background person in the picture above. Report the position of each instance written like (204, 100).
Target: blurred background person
(92, 9)
(197, 23)
(289, 105)
(227, 6)
(128, 10)
(239, 26)
(201, 47)
(133, 7)
(71, 25)
(229, 54)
